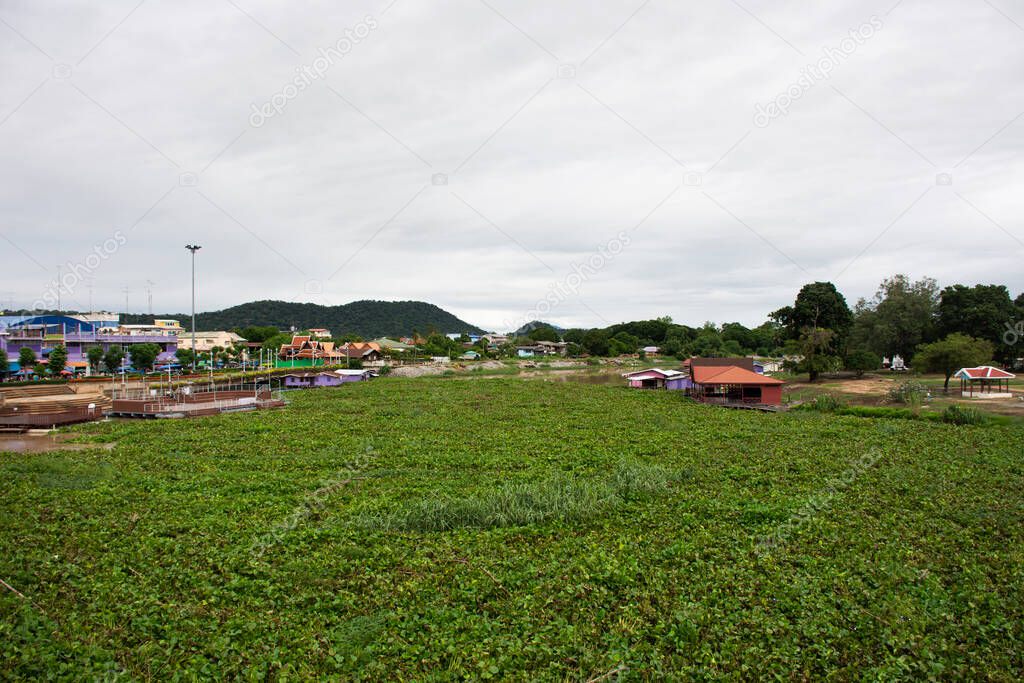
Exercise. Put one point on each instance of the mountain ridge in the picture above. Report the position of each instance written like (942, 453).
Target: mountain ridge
(366, 318)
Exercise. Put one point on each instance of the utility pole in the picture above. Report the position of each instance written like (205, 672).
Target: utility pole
(59, 275)
(126, 291)
(193, 248)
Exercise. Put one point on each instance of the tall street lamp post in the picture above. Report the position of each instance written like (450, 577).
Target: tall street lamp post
(193, 248)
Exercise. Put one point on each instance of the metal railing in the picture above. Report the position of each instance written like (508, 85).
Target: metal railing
(121, 338)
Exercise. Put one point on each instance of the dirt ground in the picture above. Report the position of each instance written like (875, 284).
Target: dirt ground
(873, 386)
(419, 370)
(874, 390)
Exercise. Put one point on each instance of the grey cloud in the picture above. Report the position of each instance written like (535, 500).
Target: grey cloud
(662, 91)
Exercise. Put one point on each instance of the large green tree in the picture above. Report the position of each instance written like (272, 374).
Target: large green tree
(277, 341)
(440, 345)
(256, 333)
(58, 360)
(5, 365)
(185, 357)
(981, 311)
(112, 359)
(952, 353)
(818, 305)
(542, 333)
(26, 357)
(900, 317)
(143, 356)
(95, 356)
(862, 361)
(815, 348)
(596, 343)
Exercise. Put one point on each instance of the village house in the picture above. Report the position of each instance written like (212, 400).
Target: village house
(312, 380)
(730, 384)
(495, 340)
(542, 348)
(418, 340)
(393, 346)
(766, 366)
(736, 362)
(206, 341)
(656, 378)
(305, 351)
(456, 336)
(364, 352)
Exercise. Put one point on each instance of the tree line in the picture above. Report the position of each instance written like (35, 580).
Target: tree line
(935, 329)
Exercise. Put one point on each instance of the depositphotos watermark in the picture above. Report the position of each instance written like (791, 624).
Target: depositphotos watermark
(72, 274)
(569, 286)
(811, 74)
(313, 502)
(818, 503)
(314, 71)
(1014, 332)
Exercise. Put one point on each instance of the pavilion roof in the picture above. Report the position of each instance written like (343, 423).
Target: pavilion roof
(984, 372)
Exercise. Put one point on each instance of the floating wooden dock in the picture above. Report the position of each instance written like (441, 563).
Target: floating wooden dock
(182, 405)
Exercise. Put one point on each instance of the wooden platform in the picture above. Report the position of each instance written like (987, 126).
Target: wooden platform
(193, 405)
(49, 406)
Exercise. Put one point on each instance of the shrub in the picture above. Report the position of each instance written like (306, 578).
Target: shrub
(910, 392)
(963, 415)
(826, 403)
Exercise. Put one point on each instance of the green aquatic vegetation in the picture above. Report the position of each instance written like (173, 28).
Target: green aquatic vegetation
(515, 529)
(560, 498)
(963, 415)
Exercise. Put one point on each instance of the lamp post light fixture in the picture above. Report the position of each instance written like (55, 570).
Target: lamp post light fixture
(193, 248)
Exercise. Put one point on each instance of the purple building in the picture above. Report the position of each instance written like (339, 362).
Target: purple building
(656, 378)
(42, 334)
(78, 344)
(313, 380)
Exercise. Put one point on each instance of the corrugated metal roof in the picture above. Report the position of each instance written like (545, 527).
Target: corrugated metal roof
(655, 373)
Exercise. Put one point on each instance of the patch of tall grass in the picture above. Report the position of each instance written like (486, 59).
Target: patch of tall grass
(963, 415)
(561, 498)
(953, 414)
(823, 403)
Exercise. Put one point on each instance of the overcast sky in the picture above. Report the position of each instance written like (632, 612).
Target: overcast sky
(619, 159)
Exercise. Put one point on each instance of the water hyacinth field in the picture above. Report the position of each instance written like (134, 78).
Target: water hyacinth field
(509, 529)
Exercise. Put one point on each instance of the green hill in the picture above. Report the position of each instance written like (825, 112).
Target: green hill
(365, 318)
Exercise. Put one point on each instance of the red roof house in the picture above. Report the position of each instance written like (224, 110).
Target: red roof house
(731, 384)
(656, 378)
(306, 348)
